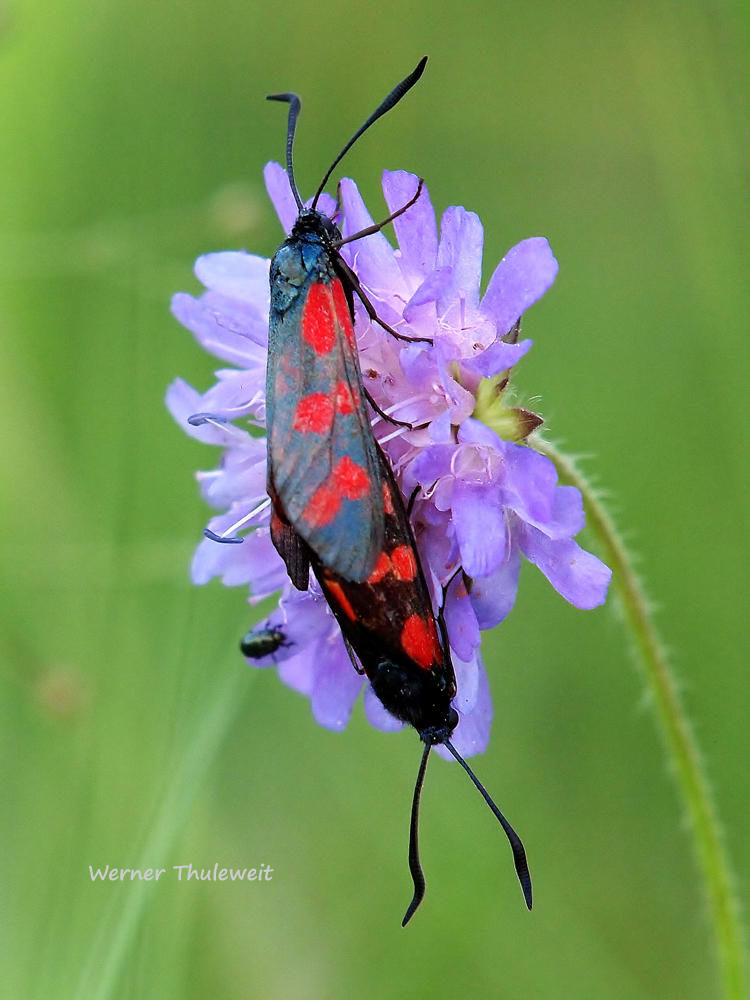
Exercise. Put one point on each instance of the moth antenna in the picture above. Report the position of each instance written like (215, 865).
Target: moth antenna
(371, 230)
(391, 101)
(519, 854)
(294, 106)
(415, 868)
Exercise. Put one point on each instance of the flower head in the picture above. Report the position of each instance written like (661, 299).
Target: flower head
(484, 497)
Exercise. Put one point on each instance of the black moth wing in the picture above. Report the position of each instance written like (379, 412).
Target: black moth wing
(388, 621)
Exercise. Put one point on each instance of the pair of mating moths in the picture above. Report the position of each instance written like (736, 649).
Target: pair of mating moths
(336, 507)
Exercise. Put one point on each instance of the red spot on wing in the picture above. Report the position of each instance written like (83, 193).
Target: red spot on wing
(344, 399)
(387, 499)
(314, 414)
(342, 312)
(318, 327)
(337, 592)
(419, 641)
(404, 563)
(350, 479)
(382, 568)
(322, 507)
(276, 523)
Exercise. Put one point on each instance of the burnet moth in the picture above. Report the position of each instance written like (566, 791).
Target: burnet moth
(323, 465)
(393, 637)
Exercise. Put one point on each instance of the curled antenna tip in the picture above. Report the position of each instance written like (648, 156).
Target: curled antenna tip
(220, 538)
(294, 109)
(519, 853)
(415, 867)
(390, 102)
(197, 419)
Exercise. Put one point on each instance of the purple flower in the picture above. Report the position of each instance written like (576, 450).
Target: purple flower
(484, 496)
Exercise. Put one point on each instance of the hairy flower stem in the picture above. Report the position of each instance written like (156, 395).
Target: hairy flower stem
(676, 730)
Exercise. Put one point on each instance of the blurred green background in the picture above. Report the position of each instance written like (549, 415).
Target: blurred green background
(132, 138)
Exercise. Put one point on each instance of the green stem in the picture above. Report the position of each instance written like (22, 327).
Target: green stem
(676, 729)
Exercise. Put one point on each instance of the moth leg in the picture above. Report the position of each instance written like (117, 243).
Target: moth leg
(441, 613)
(410, 508)
(391, 420)
(352, 655)
(370, 308)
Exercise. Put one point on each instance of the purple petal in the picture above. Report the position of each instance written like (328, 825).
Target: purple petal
(255, 561)
(245, 319)
(433, 288)
(183, 401)
(567, 513)
(298, 672)
(577, 575)
(461, 621)
(441, 431)
(441, 500)
(306, 617)
(228, 340)
(336, 686)
(493, 597)
(437, 551)
(372, 256)
(240, 479)
(528, 484)
(238, 275)
(326, 204)
(280, 193)
(416, 229)
(459, 399)
(467, 682)
(481, 531)
(529, 488)
(498, 357)
(236, 394)
(461, 242)
(472, 734)
(377, 715)
(474, 431)
(433, 463)
(521, 277)
(419, 367)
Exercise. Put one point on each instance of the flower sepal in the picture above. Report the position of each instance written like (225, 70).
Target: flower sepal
(511, 423)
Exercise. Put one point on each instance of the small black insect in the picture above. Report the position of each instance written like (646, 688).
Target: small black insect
(262, 642)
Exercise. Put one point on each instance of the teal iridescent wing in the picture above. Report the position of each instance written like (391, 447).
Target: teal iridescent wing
(323, 467)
